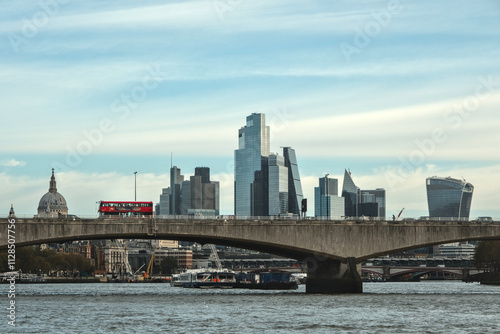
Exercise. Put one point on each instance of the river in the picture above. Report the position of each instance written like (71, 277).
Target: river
(425, 307)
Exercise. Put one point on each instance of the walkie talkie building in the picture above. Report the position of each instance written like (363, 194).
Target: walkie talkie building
(448, 197)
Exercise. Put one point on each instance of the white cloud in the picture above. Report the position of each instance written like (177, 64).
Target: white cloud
(13, 163)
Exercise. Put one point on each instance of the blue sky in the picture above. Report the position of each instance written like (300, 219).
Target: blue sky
(397, 91)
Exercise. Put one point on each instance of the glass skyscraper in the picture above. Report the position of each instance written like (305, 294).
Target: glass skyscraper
(448, 197)
(253, 144)
(295, 195)
(327, 203)
(371, 203)
(350, 193)
(176, 179)
(278, 185)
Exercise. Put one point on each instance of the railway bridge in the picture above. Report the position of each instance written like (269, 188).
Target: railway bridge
(333, 250)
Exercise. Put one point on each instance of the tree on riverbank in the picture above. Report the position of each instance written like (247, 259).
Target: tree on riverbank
(487, 255)
(34, 260)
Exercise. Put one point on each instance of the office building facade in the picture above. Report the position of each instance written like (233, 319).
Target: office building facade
(278, 185)
(350, 192)
(176, 179)
(203, 193)
(266, 184)
(164, 205)
(253, 144)
(196, 196)
(327, 203)
(449, 197)
(362, 203)
(295, 194)
(371, 203)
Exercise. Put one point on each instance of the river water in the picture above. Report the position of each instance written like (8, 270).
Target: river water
(425, 307)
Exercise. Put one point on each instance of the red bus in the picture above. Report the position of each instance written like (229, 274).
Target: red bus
(125, 209)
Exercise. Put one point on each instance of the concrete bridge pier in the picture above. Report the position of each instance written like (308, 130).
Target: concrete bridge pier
(333, 276)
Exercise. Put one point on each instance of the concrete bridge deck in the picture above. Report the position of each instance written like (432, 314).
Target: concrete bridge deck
(330, 248)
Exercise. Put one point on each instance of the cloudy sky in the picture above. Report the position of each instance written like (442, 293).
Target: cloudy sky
(396, 91)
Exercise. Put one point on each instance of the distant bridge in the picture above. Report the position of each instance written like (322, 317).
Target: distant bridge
(415, 273)
(333, 250)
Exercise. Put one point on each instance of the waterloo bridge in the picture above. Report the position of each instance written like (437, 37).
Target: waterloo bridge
(332, 250)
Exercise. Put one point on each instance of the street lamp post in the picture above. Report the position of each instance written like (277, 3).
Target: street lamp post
(135, 186)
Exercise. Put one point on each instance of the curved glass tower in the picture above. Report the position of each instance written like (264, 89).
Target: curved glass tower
(448, 197)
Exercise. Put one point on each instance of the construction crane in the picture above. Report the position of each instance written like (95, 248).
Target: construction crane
(215, 257)
(149, 270)
(135, 273)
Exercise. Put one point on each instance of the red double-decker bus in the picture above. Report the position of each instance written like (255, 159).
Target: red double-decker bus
(125, 209)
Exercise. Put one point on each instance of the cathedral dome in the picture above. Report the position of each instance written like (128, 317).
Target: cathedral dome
(52, 204)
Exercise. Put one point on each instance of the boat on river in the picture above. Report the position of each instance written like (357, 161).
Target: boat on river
(266, 281)
(205, 279)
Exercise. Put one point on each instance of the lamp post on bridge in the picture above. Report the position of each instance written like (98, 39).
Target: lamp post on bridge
(135, 186)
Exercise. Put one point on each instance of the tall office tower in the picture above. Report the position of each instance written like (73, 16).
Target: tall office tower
(371, 203)
(176, 180)
(196, 193)
(185, 197)
(327, 203)
(295, 195)
(448, 197)
(203, 193)
(350, 193)
(278, 185)
(165, 202)
(253, 143)
(259, 190)
(204, 173)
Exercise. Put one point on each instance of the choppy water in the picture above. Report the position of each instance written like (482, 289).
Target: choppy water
(426, 307)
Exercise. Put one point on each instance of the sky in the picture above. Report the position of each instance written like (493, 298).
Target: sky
(395, 91)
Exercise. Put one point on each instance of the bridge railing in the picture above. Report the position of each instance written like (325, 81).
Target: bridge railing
(268, 218)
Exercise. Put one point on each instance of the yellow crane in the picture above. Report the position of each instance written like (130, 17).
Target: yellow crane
(149, 269)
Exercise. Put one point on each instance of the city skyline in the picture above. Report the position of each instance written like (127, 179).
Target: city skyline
(397, 93)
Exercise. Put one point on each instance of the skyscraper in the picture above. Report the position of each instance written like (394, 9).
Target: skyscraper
(371, 203)
(203, 193)
(278, 185)
(259, 190)
(253, 144)
(295, 195)
(448, 197)
(164, 202)
(265, 184)
(350, 192)
(176, 180)
(327, 203)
